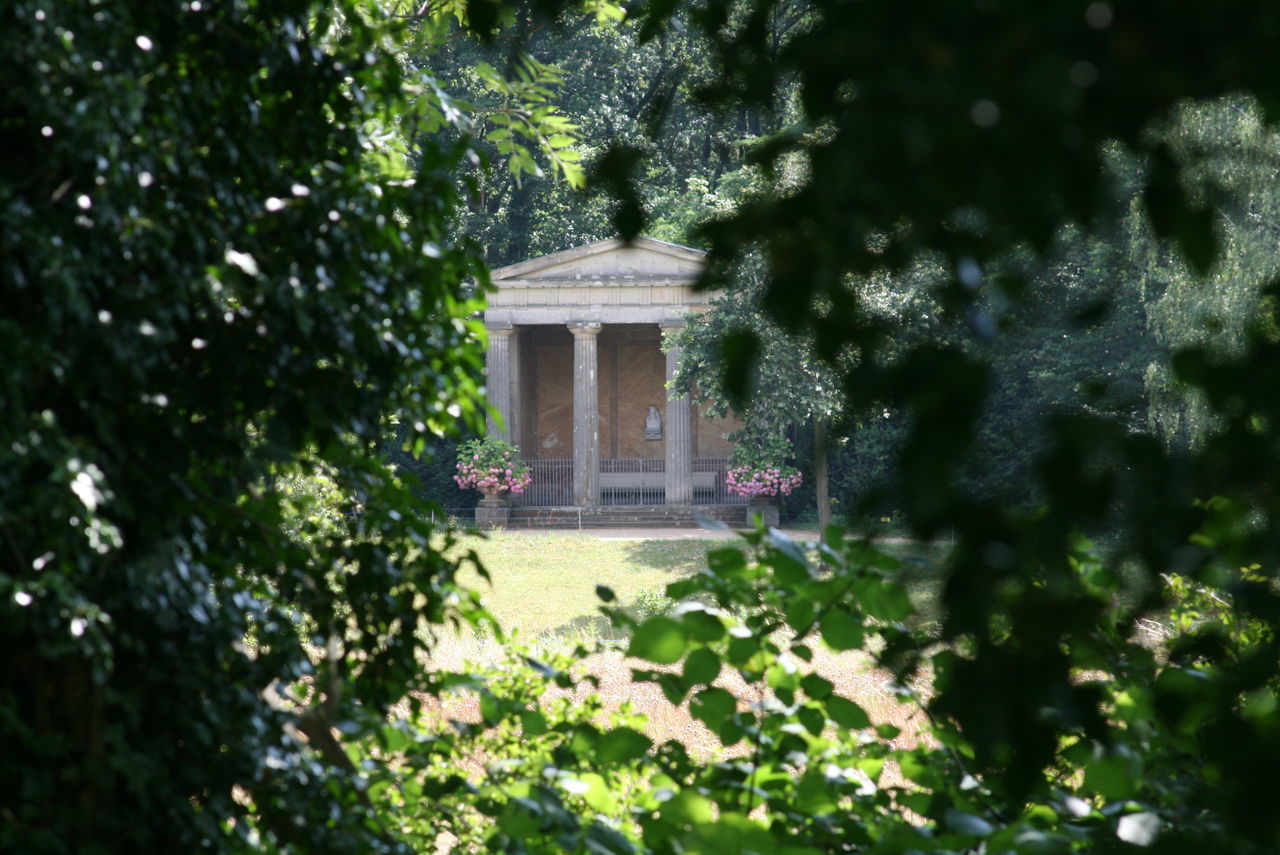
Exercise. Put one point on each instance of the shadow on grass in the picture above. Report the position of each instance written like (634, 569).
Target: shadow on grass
(675, 556)
(648, 603)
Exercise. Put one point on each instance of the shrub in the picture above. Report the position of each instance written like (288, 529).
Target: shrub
(492, 465)
(759, 469)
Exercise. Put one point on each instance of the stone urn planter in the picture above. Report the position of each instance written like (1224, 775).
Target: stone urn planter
(761, 479)
(764, 507)
(494, 468)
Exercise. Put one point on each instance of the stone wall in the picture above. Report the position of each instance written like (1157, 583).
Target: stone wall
(547, 405)
(632, 379)
(708, 434)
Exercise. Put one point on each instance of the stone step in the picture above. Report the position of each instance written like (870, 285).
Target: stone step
(624, 516)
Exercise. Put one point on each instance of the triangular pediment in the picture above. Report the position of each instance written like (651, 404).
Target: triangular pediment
(644, 259)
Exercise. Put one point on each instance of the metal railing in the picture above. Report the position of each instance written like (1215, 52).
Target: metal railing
(624, 481)
(552, 484)
(454, 517)
(708, 482)
(633, 481)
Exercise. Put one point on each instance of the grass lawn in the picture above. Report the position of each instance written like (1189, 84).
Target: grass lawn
(545, 583)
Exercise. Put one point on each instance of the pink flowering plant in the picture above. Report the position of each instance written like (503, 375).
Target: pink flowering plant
(493, 467)
(759, 469)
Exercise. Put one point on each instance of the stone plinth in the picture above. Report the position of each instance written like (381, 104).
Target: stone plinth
(493, 513)
(766, 509)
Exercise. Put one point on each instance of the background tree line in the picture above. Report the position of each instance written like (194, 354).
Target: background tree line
(1091, 326)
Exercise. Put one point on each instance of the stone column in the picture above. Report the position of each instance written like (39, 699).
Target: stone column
(517, 397)
(497, 366)
(679, 439)
(586, 414)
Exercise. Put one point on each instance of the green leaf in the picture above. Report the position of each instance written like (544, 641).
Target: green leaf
(394, 739)
(788, 561)
(967, 823)
(659, 639)
(688, 807)
(492, 709)
(673, 688)
(603, 840)
(800, 612)
(713, 706)
(701, 666)
(883, 599)
(726, 562)
(846, 713)
(518, 818)
(739, 350)
(533, 723)
(840, 630)
(815, 686)
(622, 745)
(598, 795)
(1184, 697)
(812, 720)
(605, 593)
(815, 795)
(1115, 776)
(734, 832)
(741, 650)
(730, 733)
(583, 740)
(702, 626)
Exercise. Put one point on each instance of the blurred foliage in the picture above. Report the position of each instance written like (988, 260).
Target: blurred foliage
(226, 256)
(428, 470)
(974, 135)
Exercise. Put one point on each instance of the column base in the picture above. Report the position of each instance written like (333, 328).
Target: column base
(493, 514)
(764, 509)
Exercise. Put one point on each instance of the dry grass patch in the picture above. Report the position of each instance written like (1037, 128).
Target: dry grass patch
(853, 674)
(544, 587)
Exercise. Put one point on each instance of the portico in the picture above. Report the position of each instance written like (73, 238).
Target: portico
(578, 377)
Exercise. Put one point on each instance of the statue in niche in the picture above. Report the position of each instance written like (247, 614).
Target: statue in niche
(653, 424)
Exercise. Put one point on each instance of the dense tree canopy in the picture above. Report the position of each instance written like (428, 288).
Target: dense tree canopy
(210, 282)
(973, 131)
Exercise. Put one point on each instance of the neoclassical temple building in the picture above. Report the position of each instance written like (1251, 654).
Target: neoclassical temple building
(577, 373)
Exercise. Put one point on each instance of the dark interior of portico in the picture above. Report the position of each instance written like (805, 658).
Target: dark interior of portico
(631, 379)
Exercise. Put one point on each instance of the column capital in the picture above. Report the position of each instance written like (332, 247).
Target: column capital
(672, 324)
(499, 327)
(584, 328)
